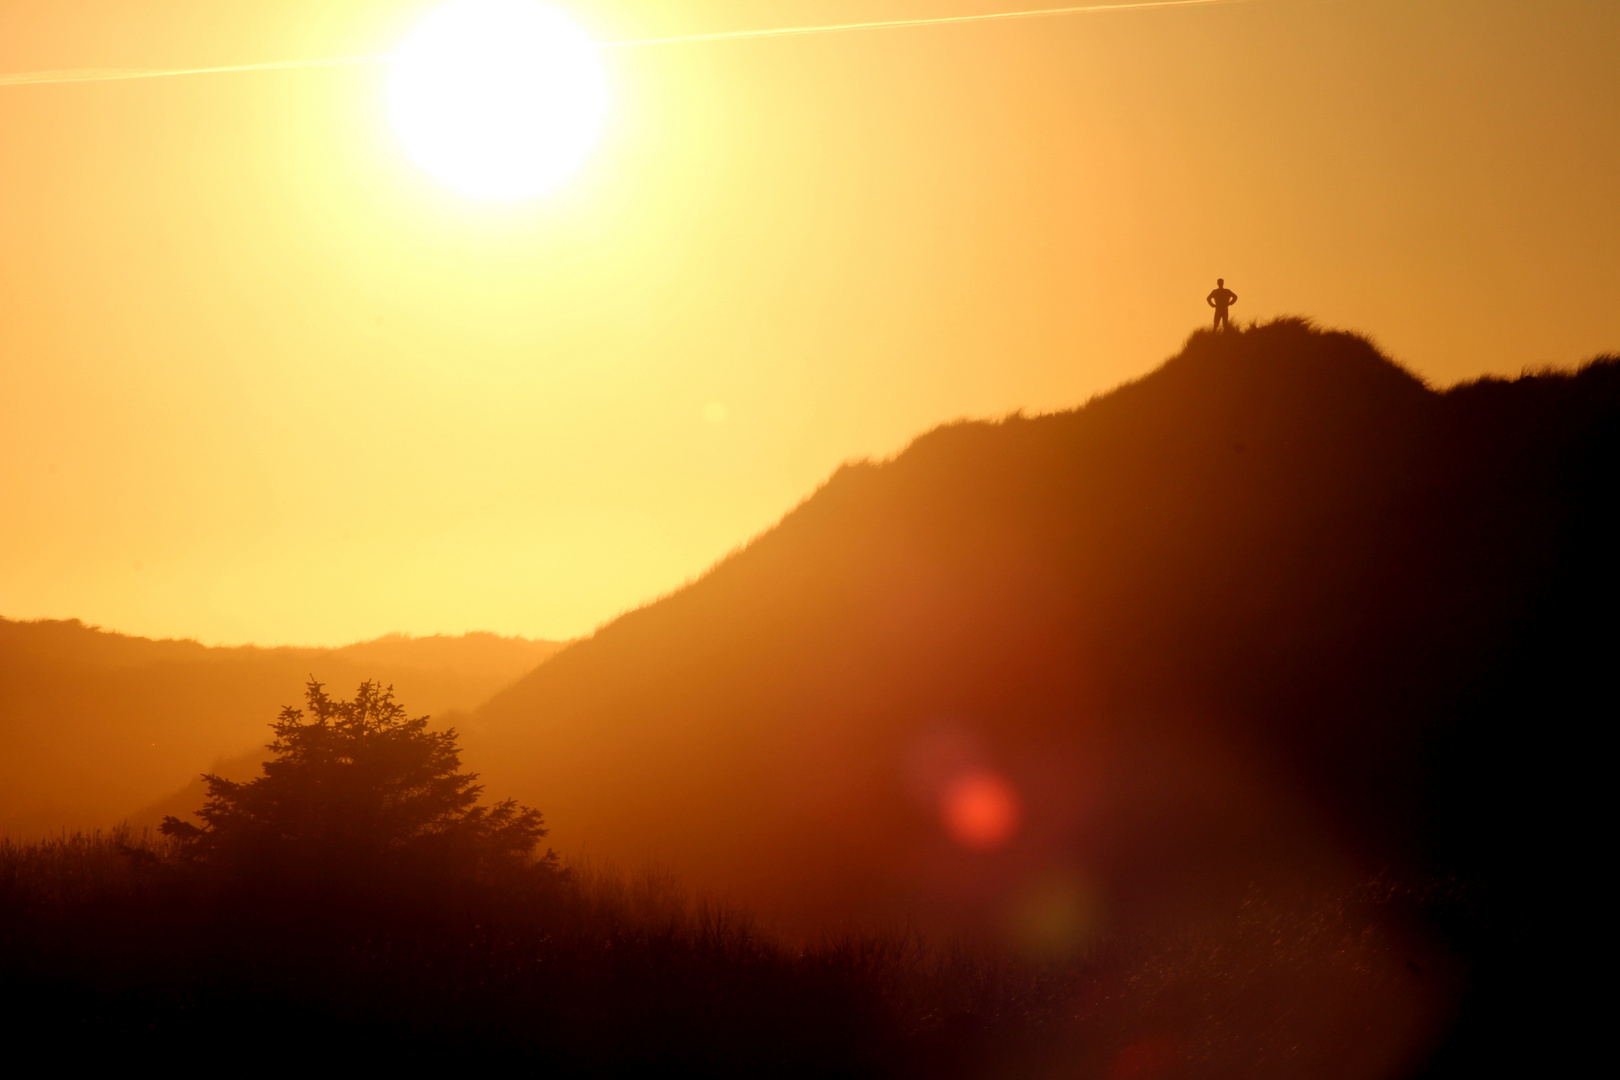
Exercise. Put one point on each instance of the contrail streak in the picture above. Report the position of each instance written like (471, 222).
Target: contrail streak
(894, 24)
(79, 75)
(72, 75)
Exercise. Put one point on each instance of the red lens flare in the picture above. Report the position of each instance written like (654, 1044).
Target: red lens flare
(981, 810)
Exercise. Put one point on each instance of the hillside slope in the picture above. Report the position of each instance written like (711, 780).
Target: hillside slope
(96, 725)
(1267, 630)
(1275, 615)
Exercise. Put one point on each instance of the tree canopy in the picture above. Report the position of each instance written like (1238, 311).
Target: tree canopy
(359, 788)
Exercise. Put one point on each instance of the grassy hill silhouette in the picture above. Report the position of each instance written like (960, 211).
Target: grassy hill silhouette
(1240, 718)
(1276, 613)
(94, 725)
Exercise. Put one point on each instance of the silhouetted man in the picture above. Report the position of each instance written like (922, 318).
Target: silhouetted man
(1221, 299)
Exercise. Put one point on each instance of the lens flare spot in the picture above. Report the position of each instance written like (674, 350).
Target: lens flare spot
(981, 810)
(1057, 914)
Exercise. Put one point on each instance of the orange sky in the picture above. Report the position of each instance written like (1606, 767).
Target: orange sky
(263, 380)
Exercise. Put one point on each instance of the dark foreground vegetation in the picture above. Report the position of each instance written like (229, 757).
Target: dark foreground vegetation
(115, 948)
(358, 902)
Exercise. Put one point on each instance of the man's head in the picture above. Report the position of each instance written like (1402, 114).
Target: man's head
(1220, 283)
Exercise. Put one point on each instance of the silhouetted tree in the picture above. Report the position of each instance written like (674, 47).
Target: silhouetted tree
(359, 790)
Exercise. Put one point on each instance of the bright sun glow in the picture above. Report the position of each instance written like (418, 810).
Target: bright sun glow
(500, 99)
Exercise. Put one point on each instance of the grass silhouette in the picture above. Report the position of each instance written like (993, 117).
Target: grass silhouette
(115, 948)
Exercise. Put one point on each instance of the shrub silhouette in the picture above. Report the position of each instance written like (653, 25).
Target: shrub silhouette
(359, 791)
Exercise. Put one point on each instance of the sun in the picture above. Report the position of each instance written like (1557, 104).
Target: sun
(499, 99)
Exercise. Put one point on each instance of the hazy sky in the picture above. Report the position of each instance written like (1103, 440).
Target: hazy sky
(261, 379)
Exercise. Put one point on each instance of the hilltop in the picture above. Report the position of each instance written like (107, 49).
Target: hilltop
(1277, 616)
(1271, 585)
(96, 725)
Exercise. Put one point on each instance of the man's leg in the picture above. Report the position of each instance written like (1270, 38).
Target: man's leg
(1220, 319)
